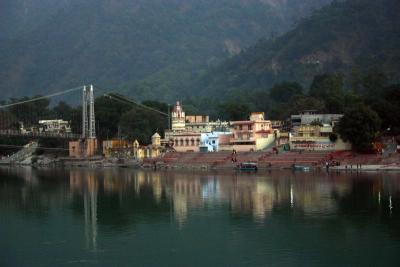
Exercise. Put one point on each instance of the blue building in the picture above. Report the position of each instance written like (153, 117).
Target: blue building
(209, 142)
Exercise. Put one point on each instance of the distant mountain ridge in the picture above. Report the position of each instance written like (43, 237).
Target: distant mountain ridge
(151, 48)
(343, 37)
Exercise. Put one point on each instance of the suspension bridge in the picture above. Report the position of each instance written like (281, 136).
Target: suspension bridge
(29, 118)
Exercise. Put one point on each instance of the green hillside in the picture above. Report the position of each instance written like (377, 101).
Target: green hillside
(344, 37)
(149, 48)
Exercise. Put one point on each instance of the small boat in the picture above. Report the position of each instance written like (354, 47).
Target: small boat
(247, 166)
(301, 167)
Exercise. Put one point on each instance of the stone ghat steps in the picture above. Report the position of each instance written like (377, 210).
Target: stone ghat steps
(224, 159)
(197, 158)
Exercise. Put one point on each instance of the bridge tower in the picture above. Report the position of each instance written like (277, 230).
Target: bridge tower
(88, 119)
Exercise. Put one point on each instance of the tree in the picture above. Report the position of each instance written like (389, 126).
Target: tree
(7, 120)
(234, 111)
(300, 103)
(316, 122)
(326, 85)
(360, 126)
(374, 84)
(141, 125)
(31, 112)
(333, 137)
(63, 111)
(283, 92)
(387, 105)
(329, 88)
(108, 113)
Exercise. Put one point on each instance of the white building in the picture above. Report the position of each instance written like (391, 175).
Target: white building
(186, 131)
(54, 126)
(209, 142)
(309, 116)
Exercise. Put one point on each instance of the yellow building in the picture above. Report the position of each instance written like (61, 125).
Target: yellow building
(316, 137)
(123, 148)
(253, 134)
(115, 147)
(151, 151)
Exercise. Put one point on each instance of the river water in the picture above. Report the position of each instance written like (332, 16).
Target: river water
(124, 217)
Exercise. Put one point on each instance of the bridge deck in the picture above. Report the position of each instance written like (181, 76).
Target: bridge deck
(39, 135)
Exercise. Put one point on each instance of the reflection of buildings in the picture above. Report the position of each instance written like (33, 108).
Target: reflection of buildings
(185, 190)
(312, 194)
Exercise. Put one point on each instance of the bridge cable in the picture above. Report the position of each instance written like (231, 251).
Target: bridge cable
(125, 99)
(41, 97)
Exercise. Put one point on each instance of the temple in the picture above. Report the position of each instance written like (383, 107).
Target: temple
(198, 133)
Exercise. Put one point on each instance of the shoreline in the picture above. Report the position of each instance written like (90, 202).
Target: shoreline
(106, 165)
(345, 161)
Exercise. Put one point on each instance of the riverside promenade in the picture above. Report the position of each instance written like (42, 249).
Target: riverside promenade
(348, 161)
(228, 160)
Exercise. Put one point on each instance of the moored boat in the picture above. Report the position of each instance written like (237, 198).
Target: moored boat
(247, 166)
(301, 167)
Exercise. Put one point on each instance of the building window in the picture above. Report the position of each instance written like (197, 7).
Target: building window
(181, 142)
(240, 127)
(192, 142)
(187, 142)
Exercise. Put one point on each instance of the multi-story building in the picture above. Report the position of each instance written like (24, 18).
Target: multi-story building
(202, 124)
(310, 116)
(317, 136)
(185, 133)
(54, 126)
(198, 131)
(253, 134)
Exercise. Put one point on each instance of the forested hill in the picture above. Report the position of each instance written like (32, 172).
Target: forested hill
(347, 37)
(151, 48)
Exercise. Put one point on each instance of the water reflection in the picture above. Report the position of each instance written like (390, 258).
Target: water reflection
(255, 215)
(159, 193)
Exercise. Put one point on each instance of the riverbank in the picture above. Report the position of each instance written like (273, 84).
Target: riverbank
(339, 161)
(226, 160)
(372, 167)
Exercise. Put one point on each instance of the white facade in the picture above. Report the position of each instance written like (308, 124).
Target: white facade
(210, 141)
(308, 117)
(55, 126)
